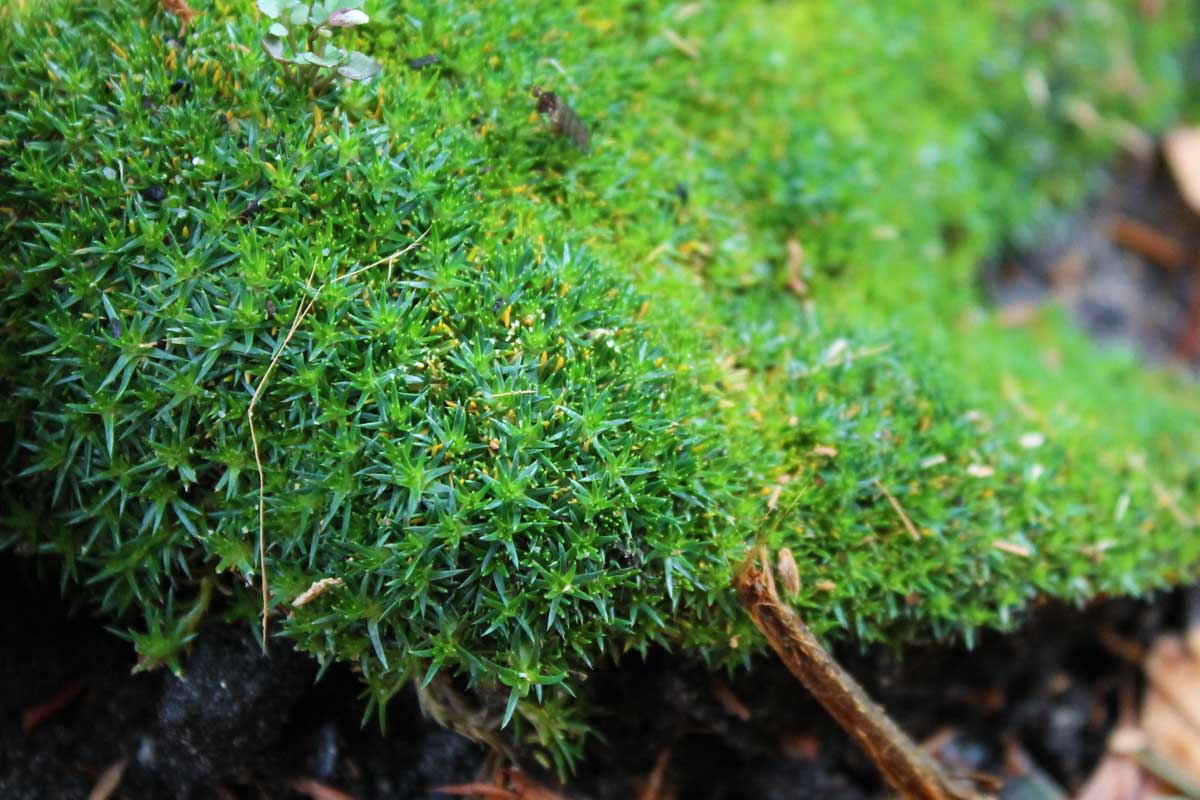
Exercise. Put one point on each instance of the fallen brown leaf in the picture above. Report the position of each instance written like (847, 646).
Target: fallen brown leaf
(1181, 147)
(1159, 754)
(1171, 709)
(1116, 778)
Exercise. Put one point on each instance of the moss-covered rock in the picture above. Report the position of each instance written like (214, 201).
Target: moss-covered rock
(542, 433)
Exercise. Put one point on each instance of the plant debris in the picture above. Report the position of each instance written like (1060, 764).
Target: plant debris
(563, 119)
(34, 716)
(904, 765)
(109, 781)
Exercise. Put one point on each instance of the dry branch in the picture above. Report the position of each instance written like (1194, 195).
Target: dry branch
(906, 767)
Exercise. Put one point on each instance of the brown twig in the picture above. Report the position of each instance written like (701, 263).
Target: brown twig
(34, 716)
(302, 311)
(654, 785)
(905, 766)
(477, 789)
(730, 702)
(1148, 242)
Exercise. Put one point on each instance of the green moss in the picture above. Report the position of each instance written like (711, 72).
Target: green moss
(542, 436)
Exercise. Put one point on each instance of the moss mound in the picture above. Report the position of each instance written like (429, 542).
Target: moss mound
(538, 401)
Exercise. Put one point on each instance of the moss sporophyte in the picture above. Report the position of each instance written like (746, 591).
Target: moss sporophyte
(538, 437)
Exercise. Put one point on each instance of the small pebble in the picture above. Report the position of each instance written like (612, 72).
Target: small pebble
(146, 752)
(327, 751)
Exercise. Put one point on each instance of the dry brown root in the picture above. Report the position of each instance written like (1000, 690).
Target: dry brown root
(906, 767)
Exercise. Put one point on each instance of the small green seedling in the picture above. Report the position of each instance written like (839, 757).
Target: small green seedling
(299, 38)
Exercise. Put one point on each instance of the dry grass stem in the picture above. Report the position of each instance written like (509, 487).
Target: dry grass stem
(899, 509)
(302, 311)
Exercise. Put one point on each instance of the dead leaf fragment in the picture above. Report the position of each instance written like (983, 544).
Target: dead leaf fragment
(1012, 549)
(730, 702)
(477, 789)
(681, 44)
(1171, 710)
(108, 781)
(181, 9)
(1182, 150)
(1117, 777)
(34, 716)
(654, 788)
(795, 268)
(317, 589)
(315, 790)
(789, 575)
(1159, 754)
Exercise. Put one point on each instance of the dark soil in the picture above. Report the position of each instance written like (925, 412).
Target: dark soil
(1127, 269)
(239, 725)
(236, 725)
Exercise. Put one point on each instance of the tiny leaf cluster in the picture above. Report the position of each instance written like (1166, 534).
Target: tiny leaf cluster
(299, 38)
